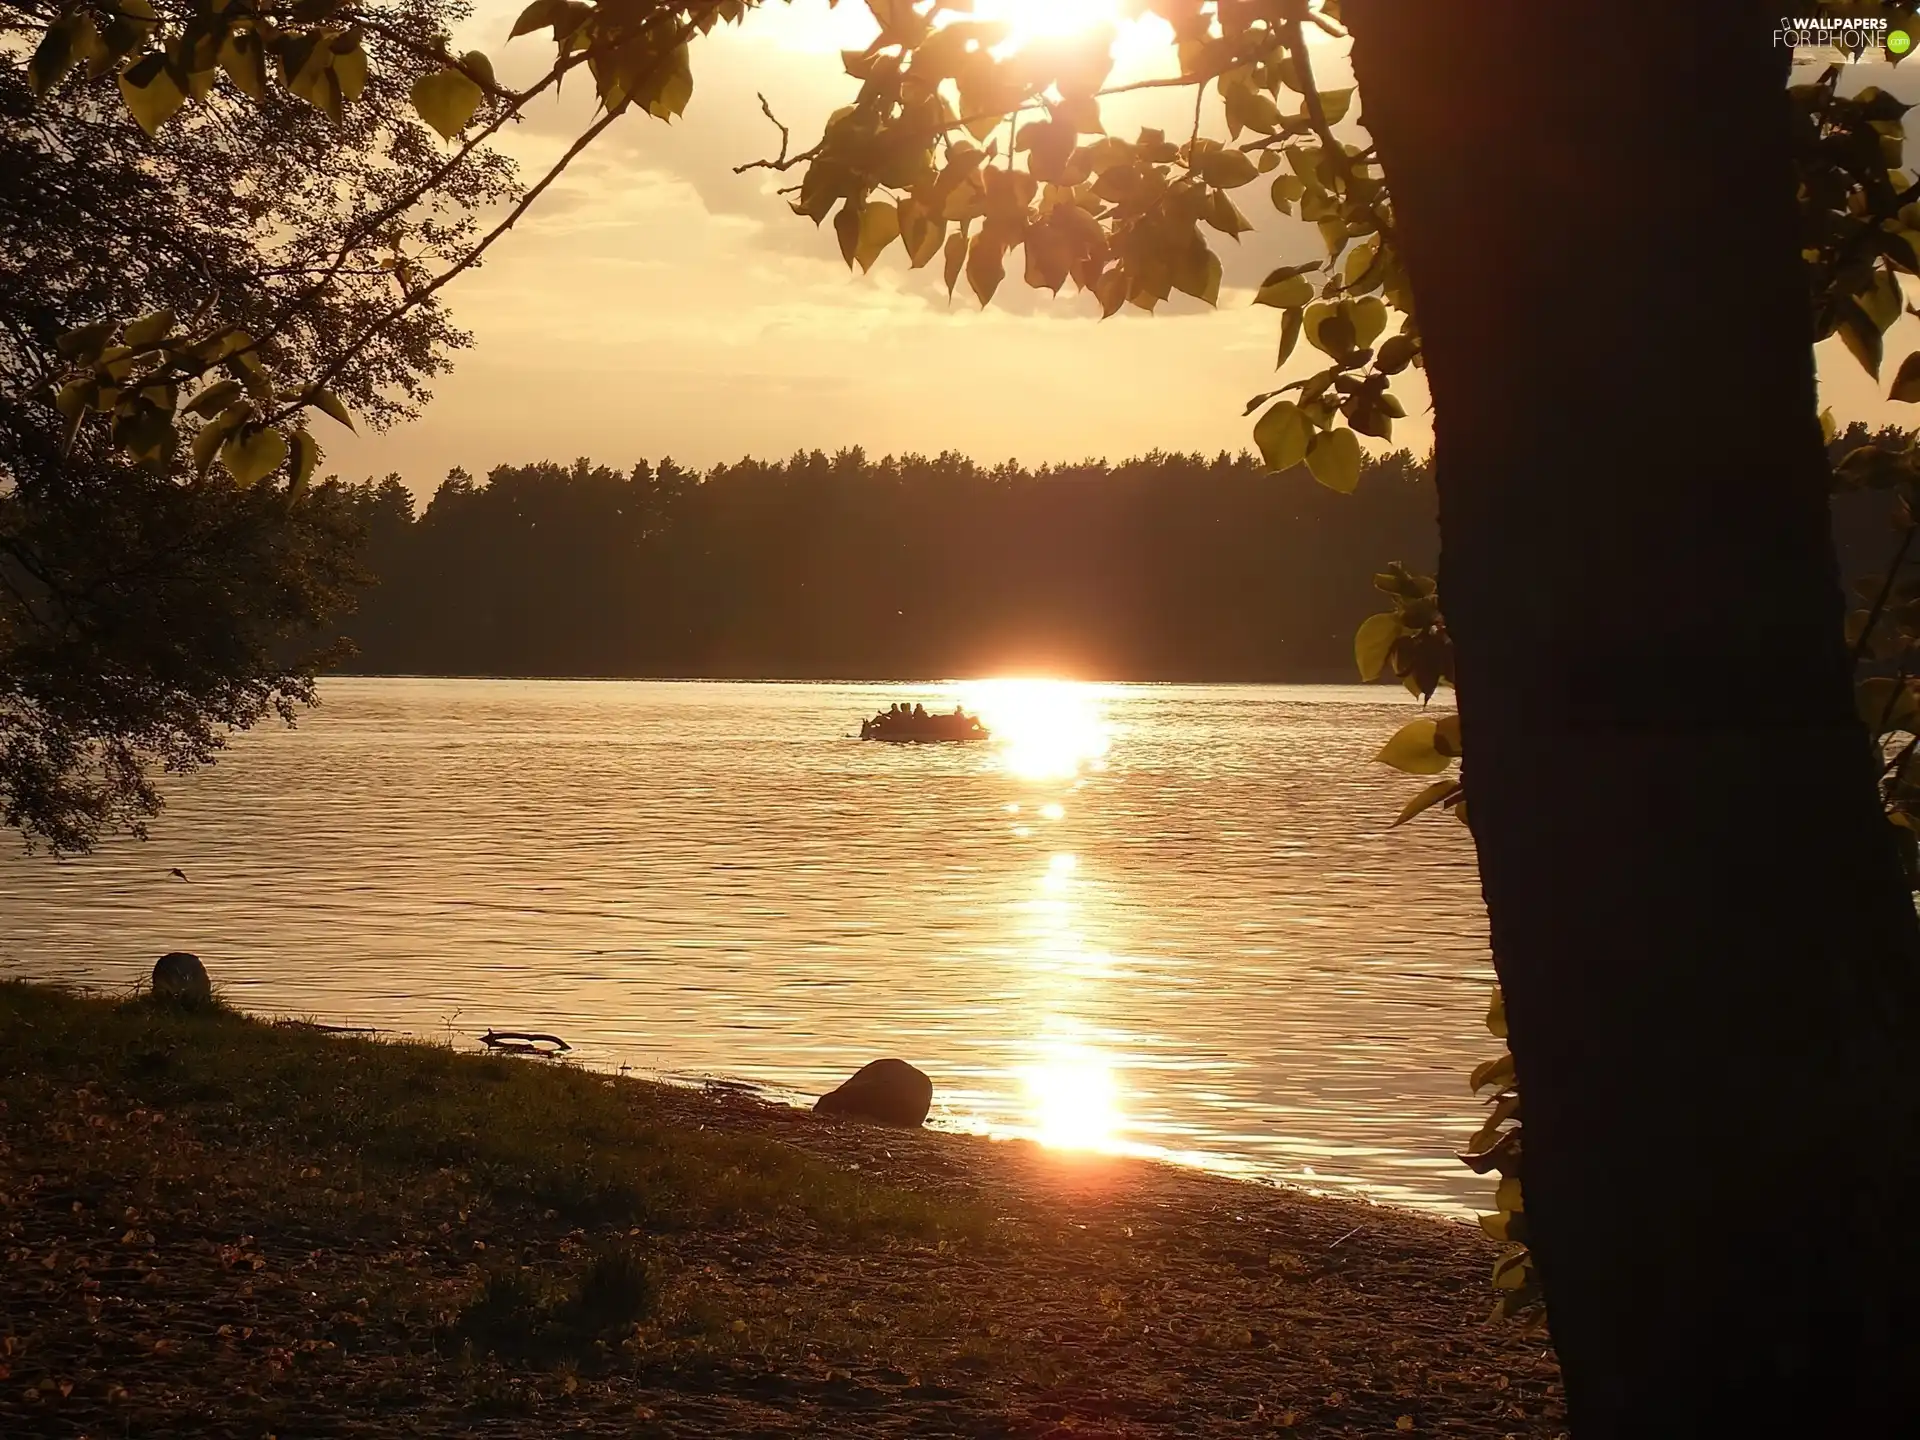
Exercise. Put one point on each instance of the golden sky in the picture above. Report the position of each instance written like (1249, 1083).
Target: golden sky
(654, 303)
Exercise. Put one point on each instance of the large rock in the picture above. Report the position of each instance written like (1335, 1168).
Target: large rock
(890, 1091)
(180, 976)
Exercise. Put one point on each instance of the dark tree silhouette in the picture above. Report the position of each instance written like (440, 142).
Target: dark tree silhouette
(1709, 954)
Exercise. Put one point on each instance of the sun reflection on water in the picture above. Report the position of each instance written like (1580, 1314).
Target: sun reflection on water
(1073, 1098)
(1044, 729)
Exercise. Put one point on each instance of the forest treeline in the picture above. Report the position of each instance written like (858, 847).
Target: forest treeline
(1165, 567)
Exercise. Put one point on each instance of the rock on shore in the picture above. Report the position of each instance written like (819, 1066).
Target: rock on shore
(889, 1091)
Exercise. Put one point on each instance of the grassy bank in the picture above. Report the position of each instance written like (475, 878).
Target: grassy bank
(220, 1227)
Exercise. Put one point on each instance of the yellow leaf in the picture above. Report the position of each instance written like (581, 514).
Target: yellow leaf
(1446, 736)
(1369, 316)
(206, 444)
(1372, 642)
(1411, 749)
(1828, 429)
(1282, 435)
(1507, 1197)
(1334, 459)
(446, 100)
(250, 458)
(879, 228)
(1497, 1013)
(150, 92)
(956, 258)
(1497, 1072)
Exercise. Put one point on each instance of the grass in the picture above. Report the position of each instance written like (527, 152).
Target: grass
(593, 1149)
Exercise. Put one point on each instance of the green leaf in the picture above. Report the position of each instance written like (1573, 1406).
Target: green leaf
(245, 61)
(331, 405)
(1411, 749)
(1860, 335)
(1294, 290)
(215, 398)
(1906, 384)
(151, 93)
(1497, 1013)
(956, 257)
(1432, 795)
(306, 454)
(1283, 435)
(1228, 169)
(1369, 316)
(55, 55)
(149, 330)
(538, 16)
(1289, 336)
(446, 100)
(1373, 641)
(251, 457)
(350, 71)
(83, 345)
(1396, 353)
(1334, 459)
(206, 444)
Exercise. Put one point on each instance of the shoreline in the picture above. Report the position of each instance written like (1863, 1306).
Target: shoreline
(221, 1227)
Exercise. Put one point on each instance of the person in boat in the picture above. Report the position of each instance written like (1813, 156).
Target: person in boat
(919, 711)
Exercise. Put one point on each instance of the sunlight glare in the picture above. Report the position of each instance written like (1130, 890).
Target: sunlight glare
(1074, 1100)
(1045, 729)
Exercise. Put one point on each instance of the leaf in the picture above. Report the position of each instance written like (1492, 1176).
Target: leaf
(537, 16)
(1497, 1013)
(306, 454)
(1507, 1195)
(206, 444)
(1430, 796)
(55, 55)
(1373, 641)
(956, 257)
(986, 267)
(846, 228)
(1334, 459)
(331, 405)
(1860, 335)
(1282, 435)
(1497, 1072)
(446, 100)
(879, 227)
(149, 330)
(245, 61)
(1828, 427)
(150, 92)
(83, 345)
(350, 70)
(1906, 384)
(215, 398)
(1411, 749)
(1293, 291)
(1289, 336)
(1228, 169)
(1369, 317)
(1446, 736)
(250, 458)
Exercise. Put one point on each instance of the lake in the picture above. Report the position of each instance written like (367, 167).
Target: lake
(1166, 920)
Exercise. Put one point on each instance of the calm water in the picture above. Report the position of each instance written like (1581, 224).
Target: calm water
(1152, 918)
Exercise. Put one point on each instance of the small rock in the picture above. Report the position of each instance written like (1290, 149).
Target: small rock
(180, 975)
(890, 1091)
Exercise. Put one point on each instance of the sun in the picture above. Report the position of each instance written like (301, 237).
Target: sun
(1049, 19)
(1045, 729)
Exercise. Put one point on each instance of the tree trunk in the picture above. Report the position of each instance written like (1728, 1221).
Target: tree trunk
(1710, 959)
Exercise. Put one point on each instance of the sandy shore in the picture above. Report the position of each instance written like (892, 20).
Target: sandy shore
(215, 1227)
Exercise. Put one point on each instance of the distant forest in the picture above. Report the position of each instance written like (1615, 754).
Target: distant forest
(1166, 567)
